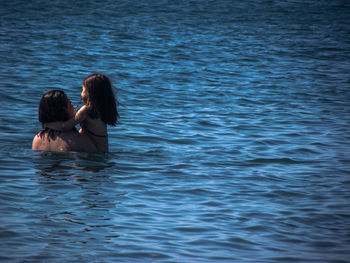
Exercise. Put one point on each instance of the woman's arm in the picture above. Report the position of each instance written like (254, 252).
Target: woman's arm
(61, 125)
(79, 117)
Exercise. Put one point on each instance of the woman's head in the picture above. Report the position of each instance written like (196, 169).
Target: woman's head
(98, 95)
(55, 106)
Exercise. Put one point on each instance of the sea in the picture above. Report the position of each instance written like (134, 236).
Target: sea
(233, 143)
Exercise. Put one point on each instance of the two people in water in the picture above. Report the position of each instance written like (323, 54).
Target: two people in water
(56, 114)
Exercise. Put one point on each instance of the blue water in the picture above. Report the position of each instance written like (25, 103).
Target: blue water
(233, 143)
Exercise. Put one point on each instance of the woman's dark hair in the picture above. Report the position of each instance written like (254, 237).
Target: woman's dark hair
(100, 98)
(53, 107)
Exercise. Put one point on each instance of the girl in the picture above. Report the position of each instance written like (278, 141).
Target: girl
(99, 110)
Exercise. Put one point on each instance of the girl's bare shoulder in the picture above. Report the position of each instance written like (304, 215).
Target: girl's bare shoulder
(82, 114)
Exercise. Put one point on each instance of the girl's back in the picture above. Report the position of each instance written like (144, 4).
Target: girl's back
(96, 129)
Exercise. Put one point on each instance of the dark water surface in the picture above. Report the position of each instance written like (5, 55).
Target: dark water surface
(234, 138)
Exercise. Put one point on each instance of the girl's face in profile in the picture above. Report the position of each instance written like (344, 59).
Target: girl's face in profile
(84, 95)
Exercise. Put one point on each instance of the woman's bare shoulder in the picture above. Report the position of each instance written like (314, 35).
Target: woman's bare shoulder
(37, 142)
(64, 142)
(44, 143)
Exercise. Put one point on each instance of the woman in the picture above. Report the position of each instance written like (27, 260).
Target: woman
(98, 111)
(55, 106)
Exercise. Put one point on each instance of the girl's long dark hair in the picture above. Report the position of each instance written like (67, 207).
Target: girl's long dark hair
(101, 100)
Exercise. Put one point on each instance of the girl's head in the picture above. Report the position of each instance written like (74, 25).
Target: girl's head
(98, 96)
(55, 106)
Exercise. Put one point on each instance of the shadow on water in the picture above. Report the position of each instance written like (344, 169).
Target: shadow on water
(52, 164)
